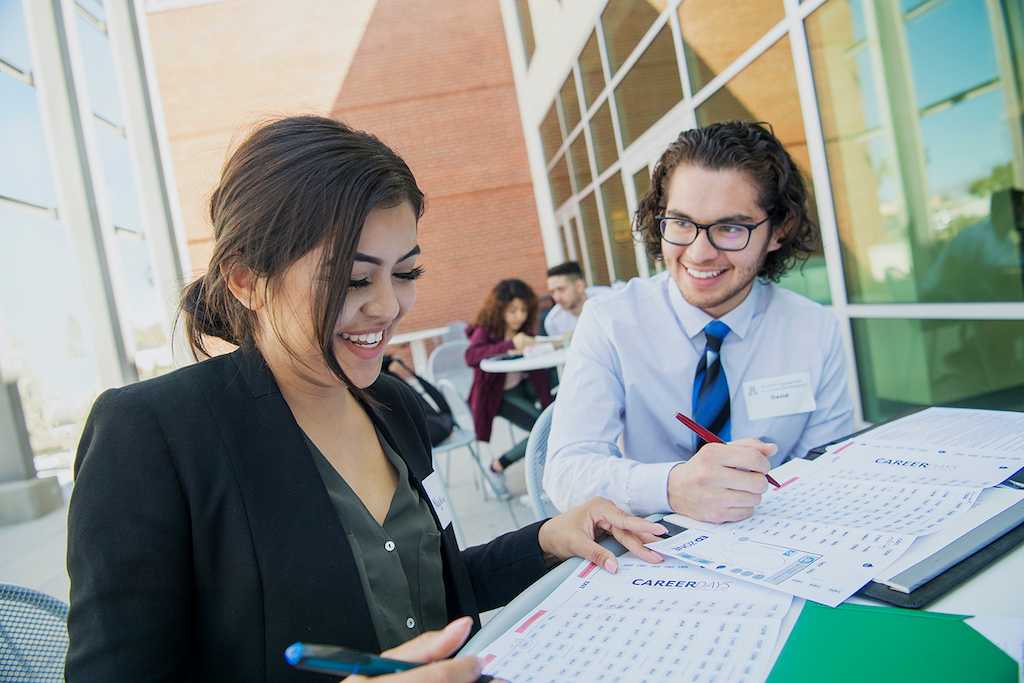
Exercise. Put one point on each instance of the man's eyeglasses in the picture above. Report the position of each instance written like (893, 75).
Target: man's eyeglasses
(722, 236)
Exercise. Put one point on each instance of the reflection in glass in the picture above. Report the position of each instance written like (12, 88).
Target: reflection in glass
(101, 76)
(602, 137)
(580, 163)
(570, 103)
(625, 22)
(715, 33)
(591, 74)
(566, 254)
(941, 66)
(119, 175)
(620, 228)
(45, 342)
(766, 90)
(526, 28)
(905, 364)
(25, 170)
(641, 186)
(550, 134)
(558, 176)
(593, 243)
(572, 233)
(649, 89)
(14, 36)
(928, 214)
(142, 308)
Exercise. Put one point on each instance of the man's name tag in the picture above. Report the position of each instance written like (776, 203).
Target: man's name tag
(775, 396)
(438, 499)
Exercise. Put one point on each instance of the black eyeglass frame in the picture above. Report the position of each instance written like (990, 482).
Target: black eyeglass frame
(706, 227)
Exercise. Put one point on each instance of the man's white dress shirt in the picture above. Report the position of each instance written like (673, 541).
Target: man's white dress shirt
(631, 367)
(559, 321)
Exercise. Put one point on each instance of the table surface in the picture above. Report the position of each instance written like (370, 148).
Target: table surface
(992, 592)
(418, 335)
(551, 359)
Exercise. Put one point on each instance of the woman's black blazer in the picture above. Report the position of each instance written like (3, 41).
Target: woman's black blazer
(202, 542)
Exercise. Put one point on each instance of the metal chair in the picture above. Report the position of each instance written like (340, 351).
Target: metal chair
(33, 635)
(448, 361)
(536, 456)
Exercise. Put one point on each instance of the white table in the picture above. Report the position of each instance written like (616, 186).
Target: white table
(995, 591)
(540, 361)
(417, 344)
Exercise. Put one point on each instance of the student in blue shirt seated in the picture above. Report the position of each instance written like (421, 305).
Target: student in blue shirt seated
(711, 337)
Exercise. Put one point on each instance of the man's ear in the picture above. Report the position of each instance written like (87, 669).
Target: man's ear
(778, 235)
(244, 285)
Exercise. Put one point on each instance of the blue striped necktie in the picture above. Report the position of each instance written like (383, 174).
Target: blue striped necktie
(710, 387)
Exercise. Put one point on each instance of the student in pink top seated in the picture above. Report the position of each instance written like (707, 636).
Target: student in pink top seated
(504, 325)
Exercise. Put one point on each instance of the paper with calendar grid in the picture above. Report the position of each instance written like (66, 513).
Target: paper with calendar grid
(821, 536)
(647, 622)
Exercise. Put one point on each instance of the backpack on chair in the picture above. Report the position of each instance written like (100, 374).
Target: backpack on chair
(440, 419)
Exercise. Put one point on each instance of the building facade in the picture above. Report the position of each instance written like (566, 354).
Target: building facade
(905, 116)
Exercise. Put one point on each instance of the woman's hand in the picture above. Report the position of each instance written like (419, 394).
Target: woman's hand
(575, 533)
(432, 647)
(522, 341)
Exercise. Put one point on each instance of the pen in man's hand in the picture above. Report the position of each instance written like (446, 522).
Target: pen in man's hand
(711, 437)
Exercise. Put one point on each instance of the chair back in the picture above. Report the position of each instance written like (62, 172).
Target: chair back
(33, 635)
(448, 361)
(536, 456)
(456, 331)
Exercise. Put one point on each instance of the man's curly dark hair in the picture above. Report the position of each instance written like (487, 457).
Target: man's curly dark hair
(754, 149)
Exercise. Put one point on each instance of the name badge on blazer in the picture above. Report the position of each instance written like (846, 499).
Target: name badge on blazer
(438, 499)
(776, 396)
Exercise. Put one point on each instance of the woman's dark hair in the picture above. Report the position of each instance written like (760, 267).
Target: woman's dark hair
(492, 314)
(753, 149)
(294, 184)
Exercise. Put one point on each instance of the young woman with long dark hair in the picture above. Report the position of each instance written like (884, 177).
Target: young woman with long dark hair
(505, 323)
(284, 491)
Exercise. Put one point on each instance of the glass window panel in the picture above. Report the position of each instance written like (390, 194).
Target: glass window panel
(100, 74)
(715, 33)
(641, 186)
(25, 171)
(625, 22)
(14, 36)
(593, 243)
(526, 28)
(45, 339)
(766, 91)
(570, 103)
(558, 176)
(968, 217)
(590, 71)
(95, 7)
(620, 228)
(650, 88)
(572, 233)
(550, 133)
(119, 174)
(566, 254)
(950, 50)
(580, 163)
(602, 136)
(906, 364)
(142, 308)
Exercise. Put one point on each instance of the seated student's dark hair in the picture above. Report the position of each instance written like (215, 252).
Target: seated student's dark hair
(569, 268)
(492, 314)
(294, 184)
(754, 149)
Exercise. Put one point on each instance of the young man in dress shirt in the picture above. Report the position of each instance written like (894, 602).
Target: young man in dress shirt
(711, 337)
(569, 291)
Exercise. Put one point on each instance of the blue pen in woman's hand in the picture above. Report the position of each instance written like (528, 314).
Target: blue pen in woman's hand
(341, 661)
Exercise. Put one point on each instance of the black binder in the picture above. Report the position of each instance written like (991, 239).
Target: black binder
(928, 592)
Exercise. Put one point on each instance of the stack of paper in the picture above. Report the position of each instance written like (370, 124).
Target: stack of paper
(853, 512)
(647, 622)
